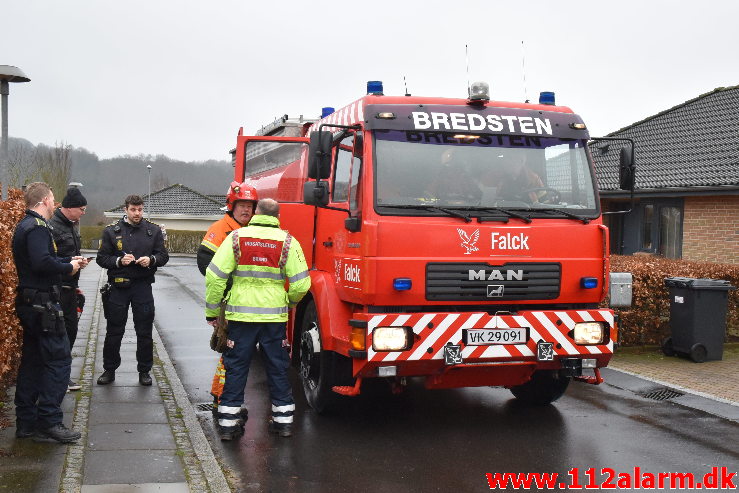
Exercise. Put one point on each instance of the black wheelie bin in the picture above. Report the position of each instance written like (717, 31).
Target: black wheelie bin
(697, 318)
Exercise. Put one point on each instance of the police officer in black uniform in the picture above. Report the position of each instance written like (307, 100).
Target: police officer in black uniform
(46, 360)
(64, 225)
(131, 250)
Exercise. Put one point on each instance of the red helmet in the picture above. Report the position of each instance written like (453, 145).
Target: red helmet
(239, 191)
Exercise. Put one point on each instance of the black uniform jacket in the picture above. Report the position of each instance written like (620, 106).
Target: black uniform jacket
(68, 241)
(143, 239)
(34, 252)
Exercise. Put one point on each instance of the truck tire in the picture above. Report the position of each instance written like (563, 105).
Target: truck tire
(545, 387)
(316, 365)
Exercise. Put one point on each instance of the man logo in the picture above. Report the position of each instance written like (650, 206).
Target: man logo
(495, 290)
(468, 242)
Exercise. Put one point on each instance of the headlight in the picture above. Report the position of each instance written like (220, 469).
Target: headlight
(589, 333)
(391, 338)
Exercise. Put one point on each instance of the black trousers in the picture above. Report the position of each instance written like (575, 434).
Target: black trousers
(138, 296)
(69, 307)
(43, 373)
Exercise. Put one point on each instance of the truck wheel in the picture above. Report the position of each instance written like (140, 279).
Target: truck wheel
(316, 365)
(698, 353)
(545, 387)
(667, 347)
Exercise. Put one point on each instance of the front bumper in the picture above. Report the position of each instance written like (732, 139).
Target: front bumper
(550, 346)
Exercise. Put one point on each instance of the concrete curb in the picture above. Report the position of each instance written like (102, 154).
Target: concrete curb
(199, 459)
(73, 471)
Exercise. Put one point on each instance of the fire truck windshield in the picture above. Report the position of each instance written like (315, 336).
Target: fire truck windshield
(470, 172)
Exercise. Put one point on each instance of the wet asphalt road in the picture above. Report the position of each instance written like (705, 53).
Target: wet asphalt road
(441, 440)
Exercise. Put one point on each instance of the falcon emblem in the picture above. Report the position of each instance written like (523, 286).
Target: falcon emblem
(468, 242)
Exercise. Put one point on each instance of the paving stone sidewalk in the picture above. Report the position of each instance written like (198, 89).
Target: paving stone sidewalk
(134, 438)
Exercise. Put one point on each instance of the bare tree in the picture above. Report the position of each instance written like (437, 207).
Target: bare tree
(55, 166)
(21, 164)
(159, 181)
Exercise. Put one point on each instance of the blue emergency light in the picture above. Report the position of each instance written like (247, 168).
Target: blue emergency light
(374, 87)
(588, 282)
(402, 284)
(326, 111)
(546, 97)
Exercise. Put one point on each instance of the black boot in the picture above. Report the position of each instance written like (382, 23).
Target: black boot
(25, 433)
(282, 429)
(60, 433)
(144, 378)
(226, 434)
(107, 377)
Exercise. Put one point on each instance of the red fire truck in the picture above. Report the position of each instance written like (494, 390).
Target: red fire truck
(458, 241)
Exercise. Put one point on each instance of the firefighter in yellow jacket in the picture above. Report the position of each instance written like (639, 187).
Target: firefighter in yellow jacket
(261, 257)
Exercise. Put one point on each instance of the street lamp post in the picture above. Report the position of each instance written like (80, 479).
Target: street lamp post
(8, 74)
(148, 197)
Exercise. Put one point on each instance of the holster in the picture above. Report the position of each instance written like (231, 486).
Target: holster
(52, 317)
(105, 296)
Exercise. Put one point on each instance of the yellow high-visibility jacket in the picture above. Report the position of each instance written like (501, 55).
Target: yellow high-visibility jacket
(260, 257)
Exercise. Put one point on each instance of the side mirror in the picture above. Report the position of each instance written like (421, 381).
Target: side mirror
(626, 178)
(319, 155)
(315, 193)
(353, 224)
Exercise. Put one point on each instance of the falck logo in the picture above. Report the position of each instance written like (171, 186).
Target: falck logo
(468, 242)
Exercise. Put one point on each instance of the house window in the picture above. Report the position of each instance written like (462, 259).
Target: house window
(662, 227)
(670, 231)
(646, 237)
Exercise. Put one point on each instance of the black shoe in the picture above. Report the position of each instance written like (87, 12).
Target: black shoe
(230, 433)
(60, 433)
(282, 429)
(73, 386)
(23, 433)
(107, 377)
(144, 378)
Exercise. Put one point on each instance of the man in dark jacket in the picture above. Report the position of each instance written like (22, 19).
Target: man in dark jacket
(64, 226)
(45, 356)
(131, 250)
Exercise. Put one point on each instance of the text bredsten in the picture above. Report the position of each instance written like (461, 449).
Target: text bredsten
(474, 122)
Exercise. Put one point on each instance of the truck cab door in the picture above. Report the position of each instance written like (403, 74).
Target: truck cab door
(338, 227)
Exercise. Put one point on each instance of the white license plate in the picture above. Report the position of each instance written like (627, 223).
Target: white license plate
(485, 337)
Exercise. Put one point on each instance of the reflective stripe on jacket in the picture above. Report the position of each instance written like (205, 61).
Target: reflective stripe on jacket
(258, 293)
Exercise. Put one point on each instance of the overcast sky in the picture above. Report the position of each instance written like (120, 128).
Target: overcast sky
(180, 77)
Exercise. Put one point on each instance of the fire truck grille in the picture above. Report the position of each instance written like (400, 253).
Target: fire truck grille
(481, 281)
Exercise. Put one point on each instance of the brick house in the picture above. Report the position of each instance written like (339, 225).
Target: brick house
(687, 181)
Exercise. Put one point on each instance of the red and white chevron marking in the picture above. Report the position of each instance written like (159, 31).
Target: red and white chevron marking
(348, 115)
(447, 327)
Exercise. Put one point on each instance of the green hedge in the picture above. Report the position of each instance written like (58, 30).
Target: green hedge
(178, 241)
(181, 241)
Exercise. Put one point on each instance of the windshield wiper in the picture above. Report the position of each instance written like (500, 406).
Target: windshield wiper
(433, 208)
(552, 210)
(508, 212)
